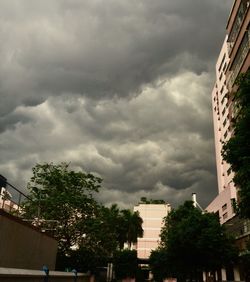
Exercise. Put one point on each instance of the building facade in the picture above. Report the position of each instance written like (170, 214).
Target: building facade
(152, 215)
(222, 204)
(234, 59)
(238, 43)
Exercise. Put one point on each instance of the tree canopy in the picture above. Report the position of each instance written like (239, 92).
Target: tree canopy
(62, 195)
(62, 201)
(145, 200)
(191, 242)
(125, 264)
(236, 151)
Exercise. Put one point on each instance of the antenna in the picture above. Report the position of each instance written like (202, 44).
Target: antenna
(195, 203)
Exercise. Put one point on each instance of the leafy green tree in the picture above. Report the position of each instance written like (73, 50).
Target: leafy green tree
(144, 200)
(103, 231)
(236, 151)
(62, 195)
(125, 264)
(192, 242)
(131, 224)
(61, 201)
(161, 265)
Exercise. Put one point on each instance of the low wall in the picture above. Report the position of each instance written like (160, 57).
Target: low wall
(24, 246)
(24, 275)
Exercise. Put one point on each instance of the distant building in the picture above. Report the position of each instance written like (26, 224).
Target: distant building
(152, 215)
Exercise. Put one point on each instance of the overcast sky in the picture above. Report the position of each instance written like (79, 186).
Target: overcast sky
(121, 88)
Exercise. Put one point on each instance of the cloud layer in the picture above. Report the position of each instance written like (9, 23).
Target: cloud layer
(120, 88)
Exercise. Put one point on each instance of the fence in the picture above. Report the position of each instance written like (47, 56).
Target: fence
(11, 198)
(25, 275)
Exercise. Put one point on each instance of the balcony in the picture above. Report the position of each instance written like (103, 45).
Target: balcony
(238, 227)
(239, 59)
(237, 24)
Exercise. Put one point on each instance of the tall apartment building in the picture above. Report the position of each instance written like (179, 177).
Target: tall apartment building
(152, 215)
(222, 204)
(238, 42)
(234, 59)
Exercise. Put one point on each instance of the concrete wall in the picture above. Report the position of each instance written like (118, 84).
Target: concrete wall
(24, 275)
(24, 246)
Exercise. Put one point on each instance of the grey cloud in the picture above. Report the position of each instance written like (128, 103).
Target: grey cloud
(119, 88)
(102, 49)
(158, 143)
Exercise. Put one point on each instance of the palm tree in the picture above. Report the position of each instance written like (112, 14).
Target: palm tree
(132, 223)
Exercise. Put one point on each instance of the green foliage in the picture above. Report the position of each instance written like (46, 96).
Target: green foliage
(245, 265)
(125, 264)
(82, 259)
(160, 265)
(192, 242)
(236, 151)
(61, 200)
(119, 227)
(64, 196)
(144, 200)
(131, 225)
(245, 261)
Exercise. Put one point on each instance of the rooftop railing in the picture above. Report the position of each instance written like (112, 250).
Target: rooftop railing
(11, 201)
(11, 198)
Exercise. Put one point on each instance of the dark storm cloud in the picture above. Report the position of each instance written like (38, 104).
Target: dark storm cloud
(120, 88)
(159, 141)
(102, 49)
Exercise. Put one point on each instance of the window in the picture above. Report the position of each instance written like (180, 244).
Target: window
(222, 61)
(225, 135)
(237, 23)
(223, 112)
(225, 215)
(224, 122)
(217, 214)
(224, 207)
(220, 76)
(224, 67)
(234, 205)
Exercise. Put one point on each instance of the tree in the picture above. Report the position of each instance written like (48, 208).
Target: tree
(131, 224)
(192, 242)
(125, 264)
(103, 231)
(144, 200)
(236, 151)
(64, 196)
(160, 264)
(87, 232)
